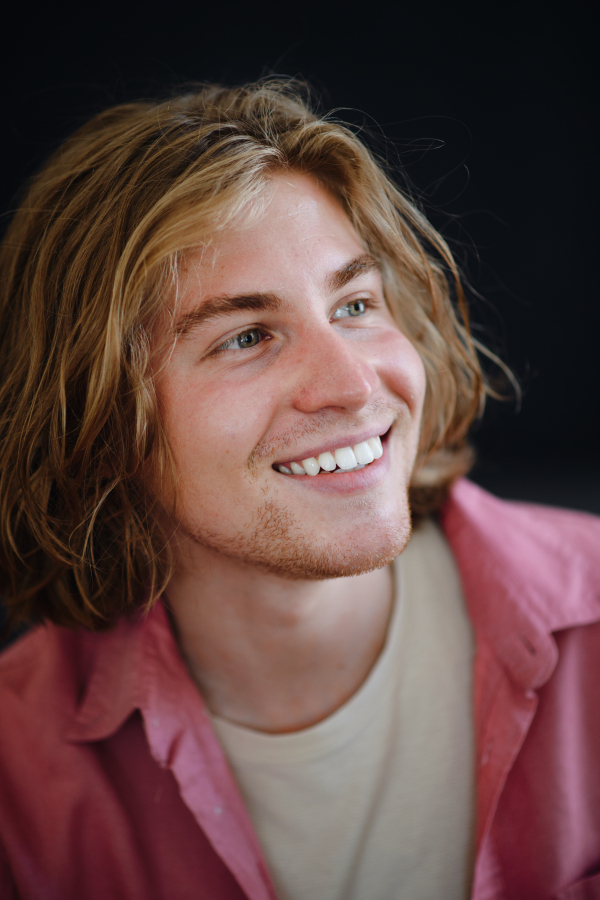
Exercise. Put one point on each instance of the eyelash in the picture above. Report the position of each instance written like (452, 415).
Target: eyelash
(364, 303)
(228, 344)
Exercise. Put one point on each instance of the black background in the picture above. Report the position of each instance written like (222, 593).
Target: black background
(489, 108)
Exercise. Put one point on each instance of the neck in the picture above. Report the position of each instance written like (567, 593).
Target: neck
(271, 653)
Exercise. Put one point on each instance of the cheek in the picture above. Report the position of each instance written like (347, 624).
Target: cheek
(402, 369)
(212, 427)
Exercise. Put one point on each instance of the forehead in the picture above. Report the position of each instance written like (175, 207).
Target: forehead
(300, 236)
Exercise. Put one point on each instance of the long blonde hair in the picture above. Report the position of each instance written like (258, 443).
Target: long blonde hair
(84, 269)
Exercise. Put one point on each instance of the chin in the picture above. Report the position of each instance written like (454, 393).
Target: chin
(337, 563)
(278, 545)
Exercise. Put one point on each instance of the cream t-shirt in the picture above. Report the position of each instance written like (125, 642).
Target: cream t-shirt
(377, 801)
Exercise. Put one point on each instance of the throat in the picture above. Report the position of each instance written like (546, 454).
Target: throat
(283, 673)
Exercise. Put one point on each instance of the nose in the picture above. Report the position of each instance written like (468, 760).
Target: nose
(333, 371)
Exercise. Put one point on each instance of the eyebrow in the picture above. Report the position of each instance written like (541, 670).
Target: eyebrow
(351, 270)
(225, 306)
(216, 307)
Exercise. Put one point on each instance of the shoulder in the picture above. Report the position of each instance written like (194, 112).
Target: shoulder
(471, 507)
(62, 685)
(547, 559)
(41, 677)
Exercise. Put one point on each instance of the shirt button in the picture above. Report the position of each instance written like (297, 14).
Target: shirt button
(486, 754)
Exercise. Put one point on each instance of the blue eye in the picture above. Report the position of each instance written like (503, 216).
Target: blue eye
(244, 340)
(354, 308)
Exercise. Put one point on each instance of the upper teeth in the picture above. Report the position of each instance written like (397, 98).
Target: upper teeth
(345, 458)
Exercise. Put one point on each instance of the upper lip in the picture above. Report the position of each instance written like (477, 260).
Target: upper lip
(335, 444)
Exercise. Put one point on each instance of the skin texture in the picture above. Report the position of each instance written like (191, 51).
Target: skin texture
(275, 630)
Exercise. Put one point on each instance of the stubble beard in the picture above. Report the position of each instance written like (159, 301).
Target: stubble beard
(275, 542)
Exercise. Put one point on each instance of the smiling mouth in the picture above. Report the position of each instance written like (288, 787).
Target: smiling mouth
(344, 459)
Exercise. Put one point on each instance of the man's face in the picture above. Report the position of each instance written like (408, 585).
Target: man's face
(287, 351)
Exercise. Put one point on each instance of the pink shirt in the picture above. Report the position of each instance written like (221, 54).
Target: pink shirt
(114, 785)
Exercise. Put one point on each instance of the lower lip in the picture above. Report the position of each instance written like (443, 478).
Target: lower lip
(346, 482)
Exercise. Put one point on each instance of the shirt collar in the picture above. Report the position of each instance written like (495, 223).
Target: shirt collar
(112, 689)
(526, 572)
(136, 665)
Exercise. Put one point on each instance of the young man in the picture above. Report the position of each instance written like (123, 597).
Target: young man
(233, 378)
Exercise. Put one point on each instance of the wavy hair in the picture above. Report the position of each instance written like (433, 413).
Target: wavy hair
(86, 263)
